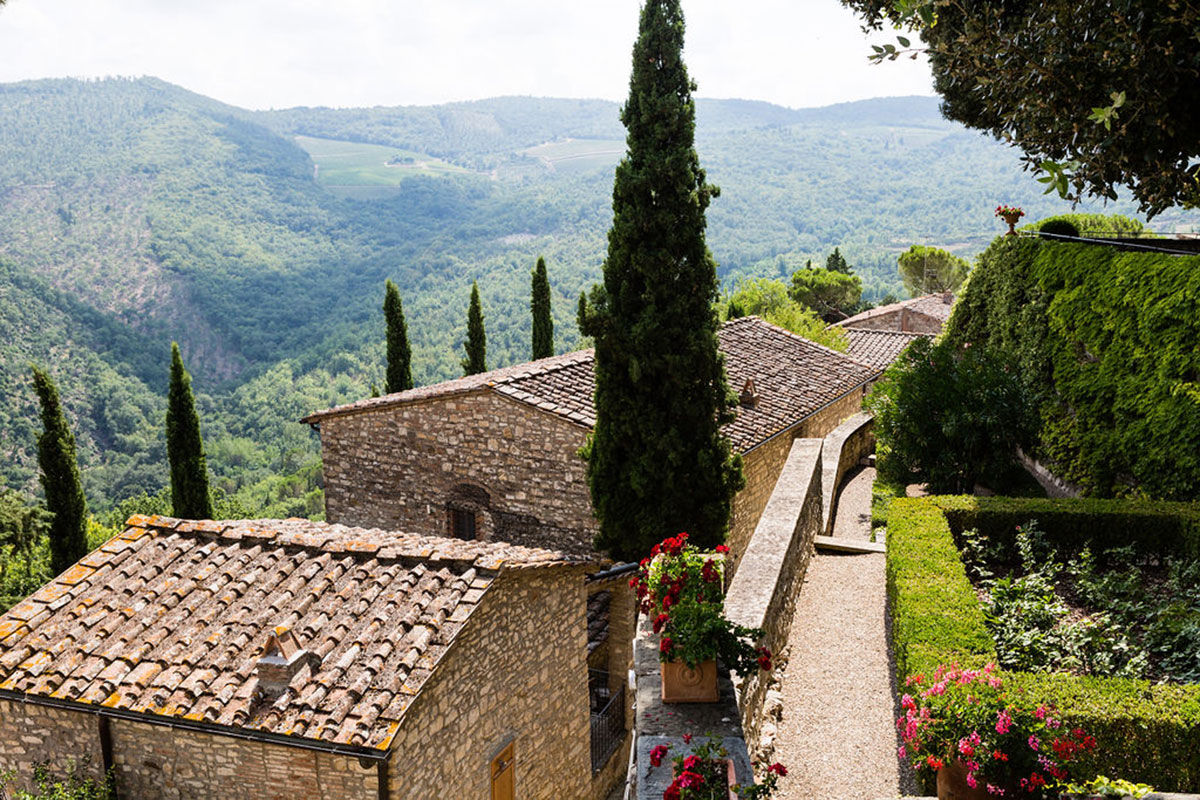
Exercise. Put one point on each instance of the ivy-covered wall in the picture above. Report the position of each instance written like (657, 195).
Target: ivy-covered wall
(1111, 342)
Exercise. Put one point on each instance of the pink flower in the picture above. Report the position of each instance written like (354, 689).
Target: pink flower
(907, 702)
(1033, 742)
(994, 789)
(1003, 722)
(971, 780)
(902, 752)
(687, 738)
(657, 753)
(691, 779)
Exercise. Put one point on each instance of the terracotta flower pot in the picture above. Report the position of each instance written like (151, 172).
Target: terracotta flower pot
(684, 684)
(1012, 220)
(952, 785)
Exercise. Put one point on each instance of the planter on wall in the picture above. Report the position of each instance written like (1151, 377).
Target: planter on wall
(1012, 220)
(684, 684)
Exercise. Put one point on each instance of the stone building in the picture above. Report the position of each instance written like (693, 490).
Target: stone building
(293, 659)
(495, 456)
(925, 314)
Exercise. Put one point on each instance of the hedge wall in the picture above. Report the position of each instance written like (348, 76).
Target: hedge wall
(1148, 733)
(1113, 338)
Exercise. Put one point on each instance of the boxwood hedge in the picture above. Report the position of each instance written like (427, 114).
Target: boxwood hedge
(1147, 732)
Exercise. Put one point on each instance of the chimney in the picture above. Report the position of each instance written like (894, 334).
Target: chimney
(281, 659)
(748, 396)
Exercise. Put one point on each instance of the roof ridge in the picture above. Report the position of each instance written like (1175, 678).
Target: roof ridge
(335, 538)
(561, 363)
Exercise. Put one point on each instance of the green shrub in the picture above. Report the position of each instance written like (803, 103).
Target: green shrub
(1059, 226)
(1147, 732)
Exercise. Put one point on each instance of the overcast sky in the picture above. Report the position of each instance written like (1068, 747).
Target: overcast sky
(277, 53)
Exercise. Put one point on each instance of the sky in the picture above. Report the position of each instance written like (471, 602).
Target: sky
(262, 54)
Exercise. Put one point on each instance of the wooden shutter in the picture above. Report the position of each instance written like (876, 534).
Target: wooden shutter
(503, 775)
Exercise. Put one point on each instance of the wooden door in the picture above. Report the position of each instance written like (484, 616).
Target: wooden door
(503, 775)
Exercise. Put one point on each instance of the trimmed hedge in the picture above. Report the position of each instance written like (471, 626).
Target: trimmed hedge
(1147, 732)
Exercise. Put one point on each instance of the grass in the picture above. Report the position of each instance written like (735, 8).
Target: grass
(364, 167)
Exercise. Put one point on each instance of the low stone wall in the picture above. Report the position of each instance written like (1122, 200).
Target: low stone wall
(764, 591)
(1051, 483)
(844, 447)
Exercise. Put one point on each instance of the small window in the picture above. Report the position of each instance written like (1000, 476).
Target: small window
(462, 524)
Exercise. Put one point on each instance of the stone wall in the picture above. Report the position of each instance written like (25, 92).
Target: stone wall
(30, 733)
(403, 467)
(174, 764)
(622, 627)
(764, 591)
(516, 673)
(902, 319)
(844, 447)
(763, 464)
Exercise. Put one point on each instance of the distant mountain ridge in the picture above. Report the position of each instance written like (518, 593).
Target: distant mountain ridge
(144, 212)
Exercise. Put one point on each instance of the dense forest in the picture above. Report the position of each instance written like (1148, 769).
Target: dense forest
(134, 213)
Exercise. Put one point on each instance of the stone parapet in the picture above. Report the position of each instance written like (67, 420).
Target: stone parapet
(844, 446)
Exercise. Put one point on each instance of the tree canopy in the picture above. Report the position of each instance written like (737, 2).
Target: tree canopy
(832, 295)
(658, 463)
(1097, 94)
(930, 269)
(770, 300)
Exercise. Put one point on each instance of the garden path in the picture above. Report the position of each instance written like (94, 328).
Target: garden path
(837, 736)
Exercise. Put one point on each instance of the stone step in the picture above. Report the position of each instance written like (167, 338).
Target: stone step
(843, 545)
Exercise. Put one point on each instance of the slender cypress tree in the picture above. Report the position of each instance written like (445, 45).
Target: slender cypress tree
(399, 354)
(657, 461)
(60, 479)
(185, 449)
(539, 304)
(476, 343)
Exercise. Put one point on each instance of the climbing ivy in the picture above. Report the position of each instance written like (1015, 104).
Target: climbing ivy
(1113, 339)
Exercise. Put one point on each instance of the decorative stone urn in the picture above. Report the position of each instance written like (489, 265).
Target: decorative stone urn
(1012, 220)
(684, 684)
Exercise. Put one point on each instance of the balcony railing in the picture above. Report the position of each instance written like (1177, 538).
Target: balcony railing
(608, 719)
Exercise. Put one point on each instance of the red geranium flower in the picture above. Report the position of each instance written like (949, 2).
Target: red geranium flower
(778, 769)
(657, 753)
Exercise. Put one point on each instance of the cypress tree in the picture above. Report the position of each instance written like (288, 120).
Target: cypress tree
(60, 479)
(657, 461)
(185, 449)
(399, 354)
(539, 304)
(476, 343)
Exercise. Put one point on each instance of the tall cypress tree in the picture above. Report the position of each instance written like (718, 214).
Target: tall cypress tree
(185, 449)
(60, 479)
(399, 354)
(476, 343)
(539, 304)
(657, 462)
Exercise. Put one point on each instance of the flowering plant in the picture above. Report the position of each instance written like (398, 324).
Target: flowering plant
(681, 589)
(1009, 211)
(702, 774)
(1004, 743)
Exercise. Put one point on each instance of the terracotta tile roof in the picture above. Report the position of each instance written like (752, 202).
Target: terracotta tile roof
(937, 306)
(794, 377)
(171, 617)
(879, 348)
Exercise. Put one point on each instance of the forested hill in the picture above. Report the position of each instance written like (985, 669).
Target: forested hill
(134, 212)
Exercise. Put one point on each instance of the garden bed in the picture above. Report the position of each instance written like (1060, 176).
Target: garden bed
(1147, 731)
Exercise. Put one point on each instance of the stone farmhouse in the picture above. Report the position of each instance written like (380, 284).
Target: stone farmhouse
(925, 314)
(294, 659)
(494, 456)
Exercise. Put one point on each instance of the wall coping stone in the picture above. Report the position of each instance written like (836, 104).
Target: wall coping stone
(756, 582)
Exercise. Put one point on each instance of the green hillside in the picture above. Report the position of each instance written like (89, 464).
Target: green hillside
(134, 212)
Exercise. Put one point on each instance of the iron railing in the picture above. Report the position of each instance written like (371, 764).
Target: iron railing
(608, 728)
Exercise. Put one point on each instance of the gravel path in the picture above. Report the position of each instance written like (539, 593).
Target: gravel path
(853, 519)
(837, 737)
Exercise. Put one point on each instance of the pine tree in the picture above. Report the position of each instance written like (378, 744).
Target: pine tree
(399, 354)
(185, 449)
(836, 262)
(539, 305)
(657, 461)
(476, 343)
(60, 479)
